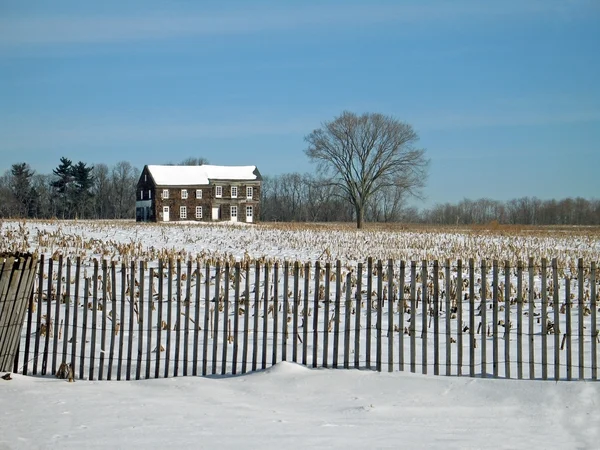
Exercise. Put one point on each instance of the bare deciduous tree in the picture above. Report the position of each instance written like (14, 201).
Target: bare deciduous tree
(366, 154)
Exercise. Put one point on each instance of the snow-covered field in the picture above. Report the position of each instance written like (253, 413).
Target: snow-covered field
(289, 404)
(126, 239)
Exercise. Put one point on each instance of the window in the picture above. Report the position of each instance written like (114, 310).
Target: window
(150, 194)
(234, 212)
(249, 212)
(182, 212)
(184, 194)
(218, 191)
(165, 193)
(249, 192)
(142, 195)
(198, 212)
(234, 191)
(198, 193)
(145, 177)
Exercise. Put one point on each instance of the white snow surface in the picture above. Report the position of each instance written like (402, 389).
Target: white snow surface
(290, 406)
(199, 175)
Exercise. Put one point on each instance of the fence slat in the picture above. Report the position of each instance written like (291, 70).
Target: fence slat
(141, 321)
(531, 312)
(187, 304)
(401, 301)
(226, 330)
(177, 324)
(246, 318)
(337, 306)
(113, 322)
(459, 318)
(56, 319)
(75, 314)
(265, 327)
(86, 290)
(448, 314)
(122, 318)
(424, 316)
(295, 306)
(326, 316)
(30, 303)
(48, 319)
(149, 321)
(495, 317)
(471, 317)
(256, 317)
(391, 297)
(131, 312)
(68, 304)
(369, 307)
(284, 316)
(207, 318)
(103, 331)
(413, 316)
(581, 308)
(357, 324)
(483, 306)
(315, 342)
(39, 315)
(436, 315)
(159, 317)
(276, 305)
(197, 328)
(544, 315)
(304, 314)
(236, 315)
(520, 320)
(507, 323)
(556, 308)
(95, 321)
(594, 328)
(379, 314)
(347, 315)
(215, 331)
(569, 327)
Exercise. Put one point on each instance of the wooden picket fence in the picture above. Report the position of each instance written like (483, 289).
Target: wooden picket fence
(116, 320)
(17, 272)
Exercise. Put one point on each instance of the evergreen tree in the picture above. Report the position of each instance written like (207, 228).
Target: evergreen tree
(62, 186)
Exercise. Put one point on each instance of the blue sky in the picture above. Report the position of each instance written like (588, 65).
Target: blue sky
(505, 95)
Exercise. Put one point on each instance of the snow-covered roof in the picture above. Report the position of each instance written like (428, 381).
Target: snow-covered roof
(199, 175)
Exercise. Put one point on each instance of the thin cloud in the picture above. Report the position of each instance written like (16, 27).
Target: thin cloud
(52, 30)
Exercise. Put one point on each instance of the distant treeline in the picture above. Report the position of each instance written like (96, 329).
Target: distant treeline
(78, 190)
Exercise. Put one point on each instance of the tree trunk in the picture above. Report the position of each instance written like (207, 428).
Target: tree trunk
(359, 216)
